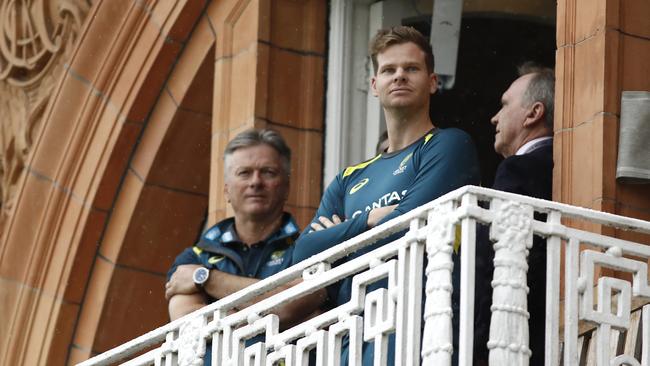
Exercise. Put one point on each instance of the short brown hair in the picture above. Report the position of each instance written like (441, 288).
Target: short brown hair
(398, 35)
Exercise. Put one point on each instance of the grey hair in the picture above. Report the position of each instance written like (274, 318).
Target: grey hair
(541, 88)
(254, 137)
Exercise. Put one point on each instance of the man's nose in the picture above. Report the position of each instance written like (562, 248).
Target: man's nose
(400, 75)
(256, 179)
(494, 119)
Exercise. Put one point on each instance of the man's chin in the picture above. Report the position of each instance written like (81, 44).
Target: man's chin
(399, 104)
(263, 212)
(404, 102)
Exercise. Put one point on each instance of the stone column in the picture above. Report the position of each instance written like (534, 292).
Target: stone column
(603, 49)
(269, 72)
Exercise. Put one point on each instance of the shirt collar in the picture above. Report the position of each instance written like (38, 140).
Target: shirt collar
(229, 235)
(533, 144)
(288, 229)
(225, 233)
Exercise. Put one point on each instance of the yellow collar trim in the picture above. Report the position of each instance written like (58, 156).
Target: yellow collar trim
(351, 169)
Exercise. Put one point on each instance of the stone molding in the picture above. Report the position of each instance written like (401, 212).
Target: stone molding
(269, 72)
(602, 49)
(96, 159)
(35, 36)
(78, 158)
(33, 50)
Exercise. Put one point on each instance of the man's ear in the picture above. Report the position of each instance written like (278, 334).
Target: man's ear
(535, 114)
(433, 79)
(373, 86)
(226, 193)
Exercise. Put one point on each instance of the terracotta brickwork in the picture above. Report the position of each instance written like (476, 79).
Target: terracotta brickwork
(269, 72)
(603, 49)
(57, 282)
(128, 161)
(36, 48)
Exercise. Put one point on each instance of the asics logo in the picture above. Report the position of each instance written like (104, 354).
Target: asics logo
(215, 259)
(359, 185)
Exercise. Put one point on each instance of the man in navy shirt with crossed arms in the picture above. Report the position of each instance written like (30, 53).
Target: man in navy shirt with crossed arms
(256, 243)
(421, 163)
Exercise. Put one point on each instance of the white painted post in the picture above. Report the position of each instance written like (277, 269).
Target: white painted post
(467, 288)
(553, 249)
(191, 346)
(437, 346)
(571, 269)
(509, 337)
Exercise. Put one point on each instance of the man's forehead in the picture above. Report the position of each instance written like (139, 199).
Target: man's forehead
(256, 156)
(518, 87)
(405, 45)
(522, 82)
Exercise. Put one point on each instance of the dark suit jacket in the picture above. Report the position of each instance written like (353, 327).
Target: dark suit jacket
(530, 174)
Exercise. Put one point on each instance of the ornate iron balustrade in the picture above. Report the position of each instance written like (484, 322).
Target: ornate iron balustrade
(431, 230)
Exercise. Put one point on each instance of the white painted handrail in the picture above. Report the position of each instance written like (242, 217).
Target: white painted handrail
(431, 231)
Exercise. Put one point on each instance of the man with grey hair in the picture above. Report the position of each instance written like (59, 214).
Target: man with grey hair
(525, 120)
(524, 137)
(254, 244)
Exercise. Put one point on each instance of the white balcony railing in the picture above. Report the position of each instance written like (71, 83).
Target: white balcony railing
(373, 316)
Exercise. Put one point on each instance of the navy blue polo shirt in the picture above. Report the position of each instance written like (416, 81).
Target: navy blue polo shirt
(221, 249)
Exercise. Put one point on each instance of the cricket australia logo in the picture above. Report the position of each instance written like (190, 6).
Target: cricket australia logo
(277, 258)
(358, 186)
(402, 165)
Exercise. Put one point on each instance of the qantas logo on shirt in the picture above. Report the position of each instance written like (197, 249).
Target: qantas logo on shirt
(359, 185)
(392, 198)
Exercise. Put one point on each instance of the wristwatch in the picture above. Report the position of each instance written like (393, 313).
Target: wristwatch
(200, 276)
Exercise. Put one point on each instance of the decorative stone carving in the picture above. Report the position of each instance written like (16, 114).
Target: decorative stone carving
(437, 345)
(191, 346)
(379, 321)
(351, 326)
(605, 316)
(317, 341)
(234, 340)
(372, 314)
(33, 32)
(512, 231)
(36, 39)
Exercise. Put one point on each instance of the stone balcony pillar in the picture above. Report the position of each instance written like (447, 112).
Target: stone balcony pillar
(603, 48)
(269, 72)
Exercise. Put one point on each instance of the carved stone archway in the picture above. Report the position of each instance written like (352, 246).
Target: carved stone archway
(159, 208)
(37, 38)
(56, 230)
(71, 226)
(118, 180)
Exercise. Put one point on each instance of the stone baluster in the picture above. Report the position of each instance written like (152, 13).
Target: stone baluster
(512, 233)
(437, 345)
(191, 344)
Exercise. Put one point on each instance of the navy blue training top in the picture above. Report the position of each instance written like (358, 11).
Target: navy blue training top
(437, 163)
(221, 249)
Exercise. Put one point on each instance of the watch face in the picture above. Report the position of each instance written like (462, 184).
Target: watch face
(201, 275)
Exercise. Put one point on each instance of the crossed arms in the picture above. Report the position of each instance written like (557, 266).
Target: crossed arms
(184, 297)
